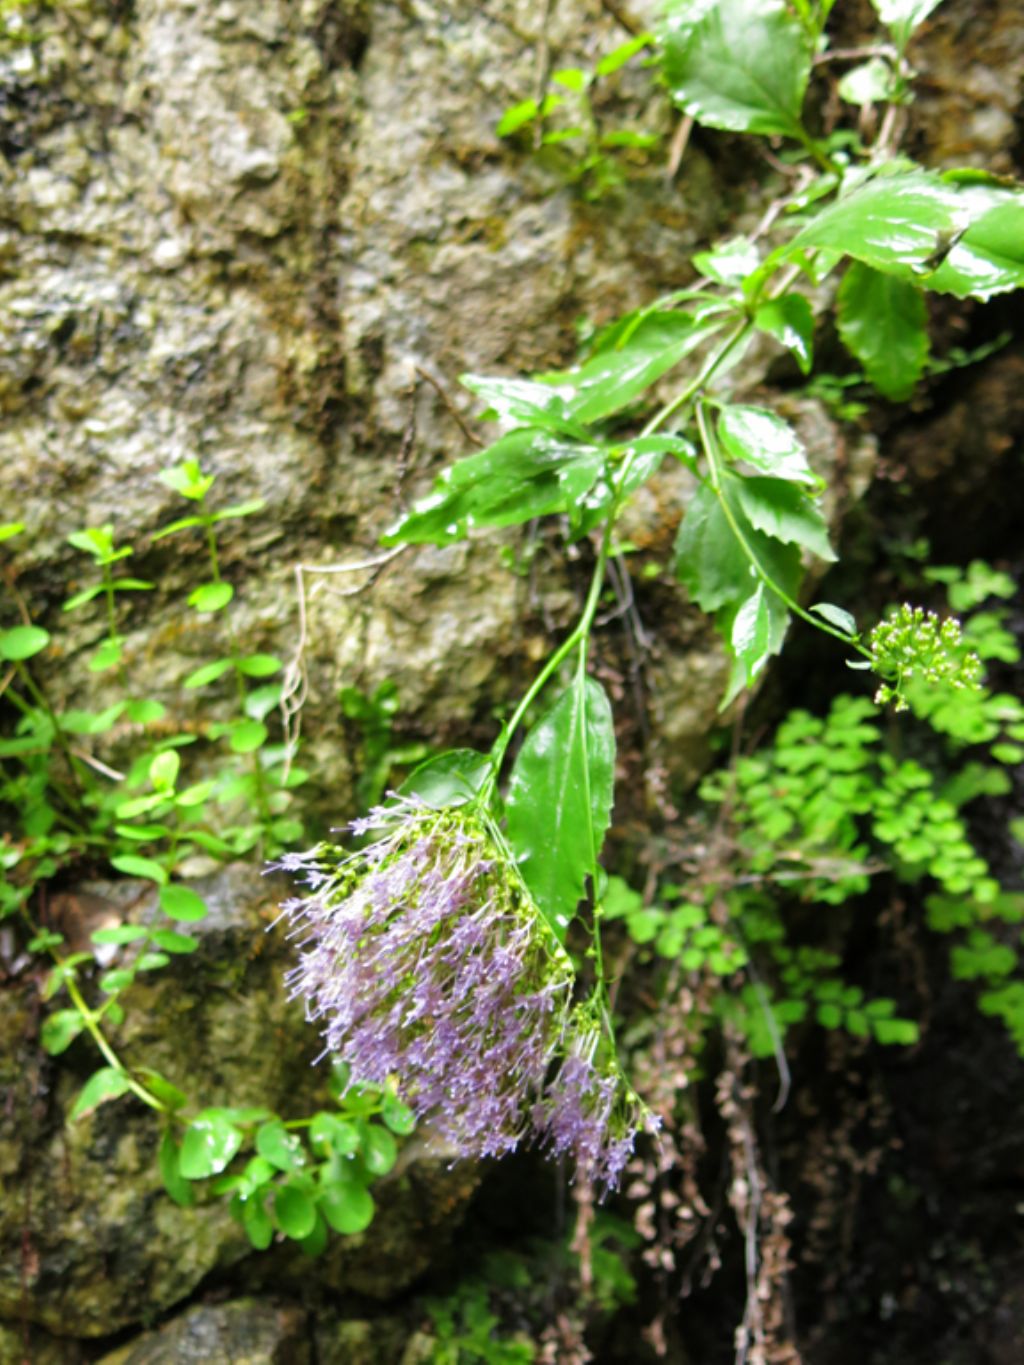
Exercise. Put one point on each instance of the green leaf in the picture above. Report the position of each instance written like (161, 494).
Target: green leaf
(187, 479)
(449, 779)
(625, 52)
(11, 528)
(329, 1133)
(106, 1084)
(165, 1091)
(247, 736)
(80, 598)
(145, 712)
(164, 768)
(60, 1030)
(730, 262)
(755, 630)
(379, 1149)
(173, 942)
(348, 1207)
(209, 1143)
(883, 322)
(709, 560)
(525, 402)
(524, 475)
(790, 321)
(240, 509)
(868, 83)
(895, 221)
(211, 596)
(208, 673)
(151, 962)
(742, 65)
(119, 933)
(182, 524)
(256, 1221)
(836, 616)
(170, 1172)
(766, 442)
(516, 117)
(280, 1147)
(22, 642)
(988, 258)
(294, 1211)
(181, 903)
(398, 1116)
(133, 866)
(783, 511)
(259, 665)
(899, 1032)
(560, 798)
(635, 357)
(901, 17)
(107, 656)
(117, 980)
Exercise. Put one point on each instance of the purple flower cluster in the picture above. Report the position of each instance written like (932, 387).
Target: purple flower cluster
(424, 959)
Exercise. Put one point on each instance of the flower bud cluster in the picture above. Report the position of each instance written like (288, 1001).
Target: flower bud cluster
(424, 960)
(913, 643)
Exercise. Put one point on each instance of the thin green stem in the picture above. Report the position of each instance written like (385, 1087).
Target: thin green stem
(41, 699)
(91, 1023)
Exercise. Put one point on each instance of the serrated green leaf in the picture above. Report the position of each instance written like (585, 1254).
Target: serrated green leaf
(181, 903)
(209, 1143)
(766, 442)
(105, 1084)
(22, 642)
(133, 866)
(883, 322)
(742, 65)
(895, 221)
(210, 597)
(790, 321)
(524, 475)
(560, 798)
(783, 511)
(349, 1207)
(60, 1030)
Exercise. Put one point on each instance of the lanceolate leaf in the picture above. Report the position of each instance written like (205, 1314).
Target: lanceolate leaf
(560, 799)
(883, 321)
(743, 65)
(619, 373)
(526, 474)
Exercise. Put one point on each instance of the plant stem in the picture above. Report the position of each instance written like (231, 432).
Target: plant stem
(41, 699)
(96, 1033)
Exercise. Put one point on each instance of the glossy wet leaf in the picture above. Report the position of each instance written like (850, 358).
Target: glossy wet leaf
(524, 475)
(280, 1147)
(743, 65)
(883, 322)
(764, 441)
(901, 17)
(790, 321)
(783, 511)
(398, 1116)
(619, 373)
(448, 779)
(896, 221)
(379, 1149)
(105, 1084)
(209, 1143)
(525, 402)
(988, 258)
(560, 798)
